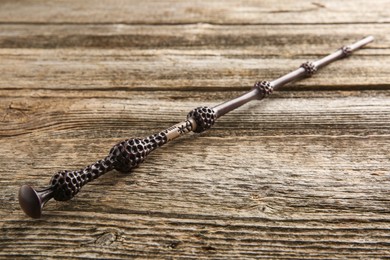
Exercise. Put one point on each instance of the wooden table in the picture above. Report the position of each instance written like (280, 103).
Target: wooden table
(303, 174)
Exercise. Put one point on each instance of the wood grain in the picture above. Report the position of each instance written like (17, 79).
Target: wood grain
(301, 175)
(198, 11)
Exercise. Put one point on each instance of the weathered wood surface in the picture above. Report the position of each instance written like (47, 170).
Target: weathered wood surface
(304, 174)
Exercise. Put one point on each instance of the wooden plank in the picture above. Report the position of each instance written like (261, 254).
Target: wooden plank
(197, 237)
(179, 12)
(301, 175)
(254, 39)
(293, 176)
(323, 113)
(81, 69)
(249, 54)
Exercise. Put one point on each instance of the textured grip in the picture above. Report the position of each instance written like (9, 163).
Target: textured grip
(127, 155)
(132, 152)
(66, 184)
(123, 157)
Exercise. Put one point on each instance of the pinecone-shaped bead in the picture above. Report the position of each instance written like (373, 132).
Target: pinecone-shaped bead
(66, 184)
(309, 67)
(265, 88)
(204, 117)
(132, 152)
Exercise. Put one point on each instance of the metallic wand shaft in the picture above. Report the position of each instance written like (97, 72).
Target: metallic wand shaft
(130, 153)
(262, 89)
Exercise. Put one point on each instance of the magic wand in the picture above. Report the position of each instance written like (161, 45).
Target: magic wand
(130, 153)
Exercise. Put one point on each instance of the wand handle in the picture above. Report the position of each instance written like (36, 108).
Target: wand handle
(123, 157)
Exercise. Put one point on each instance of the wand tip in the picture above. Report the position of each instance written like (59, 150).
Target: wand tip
(369, 38)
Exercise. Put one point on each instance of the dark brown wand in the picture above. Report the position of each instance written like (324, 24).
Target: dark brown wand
(130, 153)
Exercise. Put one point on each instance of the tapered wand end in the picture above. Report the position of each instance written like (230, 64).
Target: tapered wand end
(32, 201)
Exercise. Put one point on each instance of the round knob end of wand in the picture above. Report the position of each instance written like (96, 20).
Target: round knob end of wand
(32, 201)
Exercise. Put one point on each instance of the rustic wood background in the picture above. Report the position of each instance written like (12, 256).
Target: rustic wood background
(304, 174)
